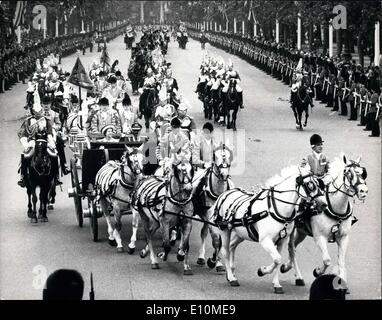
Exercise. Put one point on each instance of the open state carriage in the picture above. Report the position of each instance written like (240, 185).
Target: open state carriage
(92, 157)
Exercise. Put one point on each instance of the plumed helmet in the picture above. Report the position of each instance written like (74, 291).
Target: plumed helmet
(315, 140)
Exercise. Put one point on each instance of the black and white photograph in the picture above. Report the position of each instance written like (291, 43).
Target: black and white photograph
(207, 151)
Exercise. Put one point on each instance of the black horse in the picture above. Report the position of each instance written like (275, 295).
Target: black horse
(136, 73)
(147, 101)
(231, 104)
(41, 170)
(204, 95)
(300, 101)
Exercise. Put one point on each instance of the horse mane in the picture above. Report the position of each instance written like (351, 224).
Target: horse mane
(284, 174)
(336, 167)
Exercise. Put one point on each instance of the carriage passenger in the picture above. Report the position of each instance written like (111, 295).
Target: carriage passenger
(109, 131)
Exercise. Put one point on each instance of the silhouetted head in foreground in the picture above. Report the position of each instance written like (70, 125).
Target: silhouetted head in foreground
(64, 284)
(328, 287)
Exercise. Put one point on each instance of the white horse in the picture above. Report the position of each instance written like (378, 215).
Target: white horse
(115, 182)
(165, 203)
(209, 184)
(334, 223)
(266, 217)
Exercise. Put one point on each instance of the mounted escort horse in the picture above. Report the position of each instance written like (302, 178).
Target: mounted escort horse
(166, 203)
(300, 101)
(115, 182)
(266, 217)
(231, 104)
(147, 102)
(41, 168)
(209, 184)
(334, 223)
(136, 72)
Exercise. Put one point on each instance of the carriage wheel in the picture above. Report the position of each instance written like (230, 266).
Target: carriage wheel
(76, 198)
(94, 220)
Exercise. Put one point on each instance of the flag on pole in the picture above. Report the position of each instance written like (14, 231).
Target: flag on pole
(79, 77)
(18, 18)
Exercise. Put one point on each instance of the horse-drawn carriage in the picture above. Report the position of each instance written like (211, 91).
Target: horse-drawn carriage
(93, 158)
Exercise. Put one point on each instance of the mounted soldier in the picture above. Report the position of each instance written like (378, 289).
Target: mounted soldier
(33, 128)
(231, 74)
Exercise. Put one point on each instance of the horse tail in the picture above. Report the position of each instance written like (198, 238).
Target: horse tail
(106, 177)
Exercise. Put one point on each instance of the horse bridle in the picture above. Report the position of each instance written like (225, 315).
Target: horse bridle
(132, 165)
(360, 180)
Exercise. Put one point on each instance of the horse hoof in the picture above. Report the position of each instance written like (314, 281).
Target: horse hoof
(50, 207)
(278, 290)
(220, 269)
(154, 266)
(120, 249)
(143, 254)
(300, 282)
(210, 263)
(315, 273)
(34, 220)
(45, 219)
(130, 250)
(234, 129)
(112, 243)
(180, 257)
(30, 214)
(228, 126)
(188, 272)
(260, 272)
(234, 283)
(201, 261)
(162, 255)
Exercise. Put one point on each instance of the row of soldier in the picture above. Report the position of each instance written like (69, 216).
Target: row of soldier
(17, 61)
(343, 85)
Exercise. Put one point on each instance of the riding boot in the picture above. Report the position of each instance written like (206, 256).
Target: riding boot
(23, 170)
(240, 95)
(55, 170)
(60, 145)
